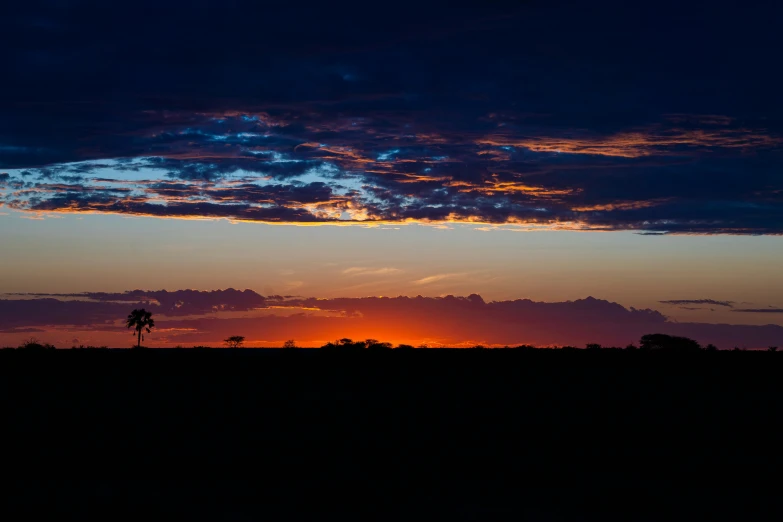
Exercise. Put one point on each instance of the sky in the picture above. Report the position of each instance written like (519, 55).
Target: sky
(579, 158)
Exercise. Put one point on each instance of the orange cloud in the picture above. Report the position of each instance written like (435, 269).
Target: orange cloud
(640, 143)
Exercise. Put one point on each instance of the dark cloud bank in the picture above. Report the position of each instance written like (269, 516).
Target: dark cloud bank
(197, 317)
(579, 118)
(728, 304)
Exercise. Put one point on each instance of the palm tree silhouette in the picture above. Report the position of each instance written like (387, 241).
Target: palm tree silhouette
(140, 320)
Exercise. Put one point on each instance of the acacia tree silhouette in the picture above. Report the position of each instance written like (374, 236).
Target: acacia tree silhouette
(140, 320)
(235, 341)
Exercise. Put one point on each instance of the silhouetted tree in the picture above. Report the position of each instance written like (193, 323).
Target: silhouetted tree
(31, 342)
(289, 344)
(631, 347)
(711, 348)
(377, 346)
(140, 320)
(665, 342)
(34, 344)
(405, 347)
(593, 346)
(772, 349)
(345, 345)
(235, 341)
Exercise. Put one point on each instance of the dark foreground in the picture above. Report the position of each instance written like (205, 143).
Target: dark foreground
(417, 435)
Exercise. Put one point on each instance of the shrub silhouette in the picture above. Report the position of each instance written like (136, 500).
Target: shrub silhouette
(377, 346)
(140, 320)
(345, 345)
(289, 344)
(235, 341)
(663, 342)
(34, 344)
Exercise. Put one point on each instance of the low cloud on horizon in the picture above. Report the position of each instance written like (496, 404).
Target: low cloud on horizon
(191, 317)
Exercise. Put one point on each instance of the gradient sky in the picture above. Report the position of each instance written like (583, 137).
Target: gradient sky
(633, 153)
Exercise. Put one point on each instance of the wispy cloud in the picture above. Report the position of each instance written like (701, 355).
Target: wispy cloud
(760, 310)
(367, 271)
(292, 285)
(438, 277)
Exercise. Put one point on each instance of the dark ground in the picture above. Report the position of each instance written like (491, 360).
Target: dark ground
(418, 435)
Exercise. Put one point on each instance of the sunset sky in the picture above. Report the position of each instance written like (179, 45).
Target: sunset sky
(520, 158)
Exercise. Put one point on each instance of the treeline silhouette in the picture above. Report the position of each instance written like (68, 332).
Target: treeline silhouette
(649, 342)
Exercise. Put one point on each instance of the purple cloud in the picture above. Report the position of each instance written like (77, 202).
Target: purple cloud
(197, 317)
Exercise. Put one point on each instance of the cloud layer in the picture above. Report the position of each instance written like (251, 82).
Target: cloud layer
(317, 117)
